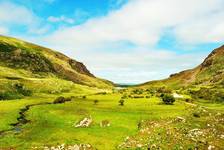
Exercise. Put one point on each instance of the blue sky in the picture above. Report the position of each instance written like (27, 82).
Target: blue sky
(126, 41)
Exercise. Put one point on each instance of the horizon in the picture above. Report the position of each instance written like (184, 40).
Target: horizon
(124, 41)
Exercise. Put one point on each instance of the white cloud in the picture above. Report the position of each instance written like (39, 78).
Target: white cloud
(39, 30)
(3, 30)
(133, 65)
(60, 19)
(11, 13)
(209, 28)
(13, 16)
(142, 23)
(139, 65)
(103, 43)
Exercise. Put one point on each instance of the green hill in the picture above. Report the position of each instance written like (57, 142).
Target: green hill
(205, 81)
(210, 72)
(36, 68)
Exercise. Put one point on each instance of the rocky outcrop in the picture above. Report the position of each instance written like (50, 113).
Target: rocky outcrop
(80, 67)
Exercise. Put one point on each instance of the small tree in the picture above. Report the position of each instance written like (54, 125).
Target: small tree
(96, 102)
(168, 99)
(121, 102)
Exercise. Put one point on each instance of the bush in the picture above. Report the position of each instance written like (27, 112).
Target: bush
(164, 90)
(124, 96)
(197, 115)
(20, 88)
(121, 102)
(136, 96)
(96, 102)
(188, 100)
(17, 91)
(61, 99)
(212, 94)
(168, 99)
(9, 95)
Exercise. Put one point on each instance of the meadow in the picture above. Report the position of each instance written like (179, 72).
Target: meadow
(54, 124)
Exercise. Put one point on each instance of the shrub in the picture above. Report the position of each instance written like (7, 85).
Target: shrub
(164, 90)
(121, 102)
(124, 96)
(197, 115)
(20, 88)
(212, 94)
(147, 96)
(96, 102)
(61, 99)
(168, 99)
(188, 100)
(9, 95)
(137, 91)
(136, 96)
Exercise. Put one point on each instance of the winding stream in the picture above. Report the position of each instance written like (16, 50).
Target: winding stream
(22, 120)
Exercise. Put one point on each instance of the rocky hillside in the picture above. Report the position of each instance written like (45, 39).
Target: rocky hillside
(210, 72)
(41, 62)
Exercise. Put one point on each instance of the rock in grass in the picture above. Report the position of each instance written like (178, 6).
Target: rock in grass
(70, 147)
(222, 136)
(180, 119)
(105, 123)
(210, 147)
(86, 122)
(139, 145)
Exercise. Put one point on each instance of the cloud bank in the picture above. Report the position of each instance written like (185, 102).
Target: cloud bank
(126, 44)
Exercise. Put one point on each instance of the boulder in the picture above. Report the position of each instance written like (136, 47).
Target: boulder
(105, 123)
(86, 122)
(180, 119)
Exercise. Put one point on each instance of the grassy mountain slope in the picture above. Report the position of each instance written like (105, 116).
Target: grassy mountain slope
(205, 81)
(210, 72)
(39, 62)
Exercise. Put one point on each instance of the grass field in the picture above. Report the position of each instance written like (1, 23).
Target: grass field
(52, 125)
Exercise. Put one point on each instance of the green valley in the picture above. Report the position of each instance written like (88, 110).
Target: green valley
(49, 101)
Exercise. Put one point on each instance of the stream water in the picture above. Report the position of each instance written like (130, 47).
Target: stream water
(21, 120)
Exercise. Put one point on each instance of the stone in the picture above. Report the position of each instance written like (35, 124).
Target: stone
(210, 147)
(104, 123)
(153, 146)
(180, 119)
(139, 145)
(84, 123)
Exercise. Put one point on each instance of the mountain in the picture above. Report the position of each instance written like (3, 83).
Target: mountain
(20, 59)
(210, 72)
